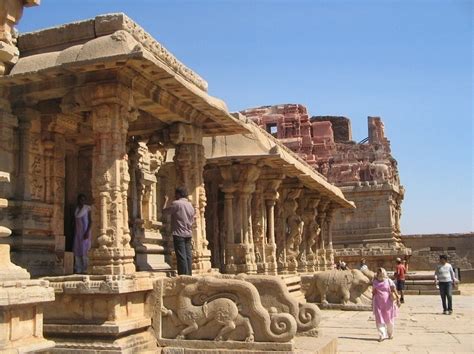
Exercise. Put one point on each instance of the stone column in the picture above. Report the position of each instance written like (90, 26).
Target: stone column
(311, 232)
(240, 253)
(321, 218)
(271, 196)
(111, 252)
(329, 221)
(189, 162)
(148, 242)
(229, 240)
(25, 116)
(258, 223)
(293, 229)
(8, 146)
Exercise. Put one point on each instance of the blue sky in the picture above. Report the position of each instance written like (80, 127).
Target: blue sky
(409, 62)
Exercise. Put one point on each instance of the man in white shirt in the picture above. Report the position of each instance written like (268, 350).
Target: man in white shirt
(445, 278)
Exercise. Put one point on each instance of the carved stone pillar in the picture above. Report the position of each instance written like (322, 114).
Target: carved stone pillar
(311, 233)
(111, 252)
(329, 223)
(321, 218)
(240, 250)
(25, 116)
(150, 247)
(258, 223)
(8, 147)
(271, 196)
(293, 229)
(189, 162)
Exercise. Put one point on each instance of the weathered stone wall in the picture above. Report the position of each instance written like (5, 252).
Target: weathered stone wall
(427, 248)
(340, 125)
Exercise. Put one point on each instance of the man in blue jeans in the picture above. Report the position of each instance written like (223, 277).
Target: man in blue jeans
(182, 218)
(445, 279)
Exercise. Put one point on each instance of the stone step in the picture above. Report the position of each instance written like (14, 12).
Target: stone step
(293, 283)
(428, 292)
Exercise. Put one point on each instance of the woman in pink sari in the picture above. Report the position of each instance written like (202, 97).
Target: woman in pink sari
(385, 309)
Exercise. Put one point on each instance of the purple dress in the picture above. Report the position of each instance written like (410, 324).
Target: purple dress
(81, 246)
(384, 308)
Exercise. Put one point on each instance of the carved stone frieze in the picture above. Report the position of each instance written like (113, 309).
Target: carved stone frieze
(222, 309)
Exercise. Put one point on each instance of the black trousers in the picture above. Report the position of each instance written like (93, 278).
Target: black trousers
(184, 254)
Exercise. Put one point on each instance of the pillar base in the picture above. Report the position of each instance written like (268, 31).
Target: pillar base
(113, 261)
(94, 313)
(21, 315)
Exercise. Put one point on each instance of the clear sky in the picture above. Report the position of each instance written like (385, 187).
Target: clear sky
(409, 62)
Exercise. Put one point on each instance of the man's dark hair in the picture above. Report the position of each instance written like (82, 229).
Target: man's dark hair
(443, 256)
(81, 195)
(181, 192)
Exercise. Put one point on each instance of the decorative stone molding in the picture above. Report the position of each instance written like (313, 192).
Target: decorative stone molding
(188, 310)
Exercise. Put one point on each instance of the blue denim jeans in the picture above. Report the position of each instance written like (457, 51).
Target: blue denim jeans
(184, 254)
(446, 292)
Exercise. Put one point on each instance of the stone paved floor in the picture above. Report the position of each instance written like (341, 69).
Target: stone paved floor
(420, 327)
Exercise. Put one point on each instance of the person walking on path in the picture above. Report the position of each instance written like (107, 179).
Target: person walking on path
(82, 234)
(399, 274)
(445, 279)
(182, 218)
(384, 307)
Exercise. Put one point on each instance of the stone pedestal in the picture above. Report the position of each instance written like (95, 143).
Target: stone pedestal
(21, 302)
(100, 314)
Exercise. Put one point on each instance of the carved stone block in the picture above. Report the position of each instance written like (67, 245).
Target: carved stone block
(189, 310)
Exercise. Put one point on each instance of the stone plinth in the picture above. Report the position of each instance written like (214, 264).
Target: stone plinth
(21, 315)
(21, 302)
(100, 314)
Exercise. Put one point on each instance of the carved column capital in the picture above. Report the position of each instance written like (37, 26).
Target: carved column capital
(181, 133)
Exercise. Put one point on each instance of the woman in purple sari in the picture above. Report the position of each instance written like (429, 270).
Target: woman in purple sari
(82, 234)
(385, 309)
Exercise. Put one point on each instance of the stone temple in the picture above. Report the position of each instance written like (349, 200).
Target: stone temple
(100, 107)
(366, 172)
